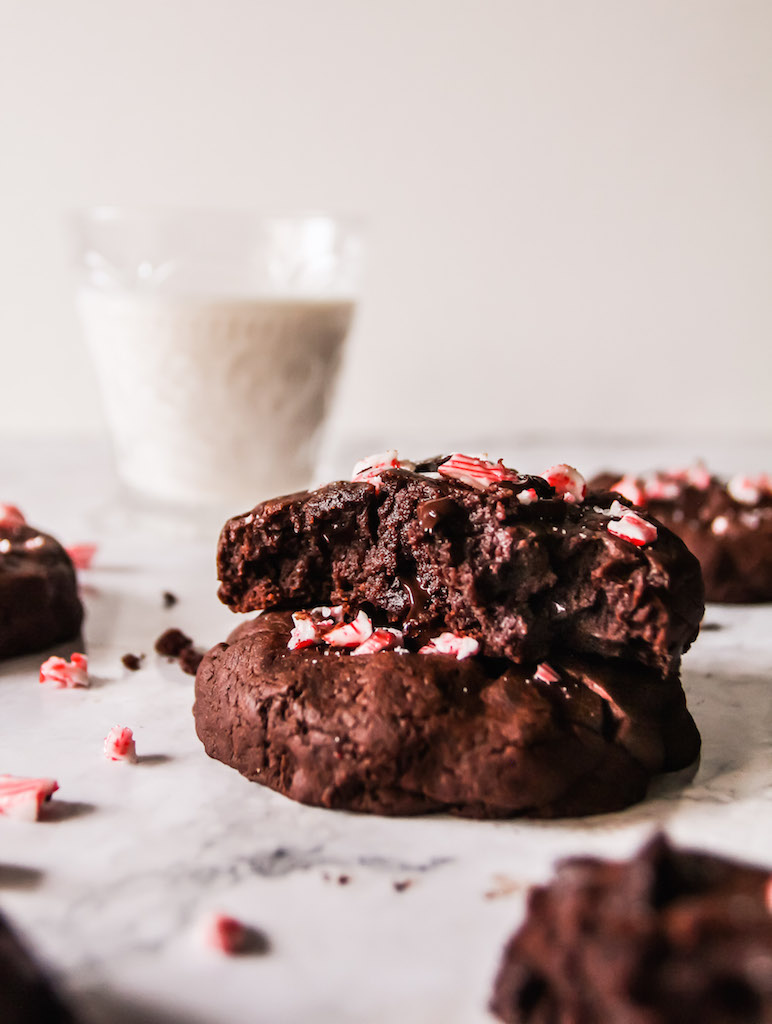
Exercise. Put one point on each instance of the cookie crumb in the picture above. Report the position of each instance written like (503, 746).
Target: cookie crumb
(344, 879)
(404, 884)
(132, 661)
(169, 599)
(190, 659)
(172, 642)
(228, 935)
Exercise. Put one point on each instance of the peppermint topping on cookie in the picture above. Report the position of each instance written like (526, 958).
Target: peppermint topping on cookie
(350, 634)
(719, 525)
(226, 934)
(304, 633)
(119, 744)
(10, 516)
(528, 496)
(382, 639)
(546, 673)
(659, 488)
(457, 644)
(630, 527)
(748, 489)
(81, 555)
(628, 488)
(476, 471)
(65, 675)
(368, 470)
(22, 798)
(568, 482)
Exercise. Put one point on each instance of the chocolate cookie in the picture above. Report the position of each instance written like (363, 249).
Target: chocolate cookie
(520, 564)
(398, 732)
(26, 994)
(669, 937)
(727, 525)
(39, 604)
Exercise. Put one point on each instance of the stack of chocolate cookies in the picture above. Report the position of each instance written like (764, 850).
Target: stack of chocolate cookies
(452, 635)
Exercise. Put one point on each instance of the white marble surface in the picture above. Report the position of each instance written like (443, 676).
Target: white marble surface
(110, 886)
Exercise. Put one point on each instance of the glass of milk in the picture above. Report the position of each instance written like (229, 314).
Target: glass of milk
(217, 338)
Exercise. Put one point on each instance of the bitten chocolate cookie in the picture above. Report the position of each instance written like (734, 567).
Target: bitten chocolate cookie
(520, 563)
(39, 604)
(26, 994)
(727, 525)
(396, 732)
(669, 937)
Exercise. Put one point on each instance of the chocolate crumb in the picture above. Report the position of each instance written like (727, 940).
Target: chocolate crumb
(710, 627)
(170, 599)
(344, 879)
(190, 659)
(172, 643)
(132, 661)
(404, 884)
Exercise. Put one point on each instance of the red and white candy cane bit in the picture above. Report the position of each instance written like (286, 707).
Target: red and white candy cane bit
(305, 632)
(119, 745)
(457, 644)
(474, 471)
(660, 488)
(65, 675)
(81, 555)
(10, 516)
(628, 488)
(528, 496)
(568, 482)
(546, 673)
(350, 634)
(368, 470)
(226, 934)
(382, 639)
(698, 476)
(22, 798)
(632, 527)
(747, 490)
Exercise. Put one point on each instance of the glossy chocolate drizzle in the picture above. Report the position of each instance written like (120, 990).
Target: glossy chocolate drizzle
(431, 512)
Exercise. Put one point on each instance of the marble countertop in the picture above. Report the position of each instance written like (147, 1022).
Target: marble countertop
(111, 886)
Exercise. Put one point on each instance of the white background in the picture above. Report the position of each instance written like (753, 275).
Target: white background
(569, 202)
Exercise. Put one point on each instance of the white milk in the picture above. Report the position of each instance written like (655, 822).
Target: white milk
(214, 402)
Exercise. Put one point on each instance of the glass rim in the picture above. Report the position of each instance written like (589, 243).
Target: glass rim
(106, 213)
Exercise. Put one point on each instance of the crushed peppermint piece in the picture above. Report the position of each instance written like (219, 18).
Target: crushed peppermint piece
(719, 525)
(5, 545)
(569, 484)
(698, 476)
(226, 934)
(474, 471)
(34, 542)
(452, 643)
(368, 470)
(631, 527)
(747, 490)
(119, 745)
(657, 488)
(65, 675)
(81, 555)
(546, 673)
(382, 639)
(304, 632)
(350, 634)
(10, 516)
(22, 798)
(528, 496)
(628, 488)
